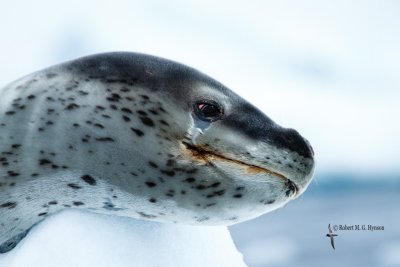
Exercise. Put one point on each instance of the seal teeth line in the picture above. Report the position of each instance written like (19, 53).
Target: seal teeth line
(206, 156)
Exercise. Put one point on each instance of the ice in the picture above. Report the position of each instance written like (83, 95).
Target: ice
(74, 238)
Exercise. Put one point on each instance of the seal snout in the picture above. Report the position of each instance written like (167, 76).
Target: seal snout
(290, 139)
(292, 156)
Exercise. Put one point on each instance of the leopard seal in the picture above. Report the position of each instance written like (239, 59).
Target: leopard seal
(140, 136)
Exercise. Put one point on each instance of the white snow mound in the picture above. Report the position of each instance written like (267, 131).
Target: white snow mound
(78, 239)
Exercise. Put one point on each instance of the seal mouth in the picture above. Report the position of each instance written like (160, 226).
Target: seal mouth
(206, 156)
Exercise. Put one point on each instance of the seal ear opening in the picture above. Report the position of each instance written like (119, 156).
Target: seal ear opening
(13, 241)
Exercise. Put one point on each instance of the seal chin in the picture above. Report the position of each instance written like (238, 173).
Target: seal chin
(250, 172)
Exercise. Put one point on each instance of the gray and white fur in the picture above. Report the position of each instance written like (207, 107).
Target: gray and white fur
(125, 134)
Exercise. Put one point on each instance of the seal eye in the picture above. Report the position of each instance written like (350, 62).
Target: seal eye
(208, 110)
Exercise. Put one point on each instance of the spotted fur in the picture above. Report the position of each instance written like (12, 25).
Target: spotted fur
(117, 133)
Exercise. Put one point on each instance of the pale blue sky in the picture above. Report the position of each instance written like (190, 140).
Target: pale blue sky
(326, 68)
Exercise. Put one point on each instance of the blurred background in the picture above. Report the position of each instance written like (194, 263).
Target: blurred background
(326, 68)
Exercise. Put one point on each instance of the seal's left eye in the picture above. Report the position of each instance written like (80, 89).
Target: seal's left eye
(208, 111)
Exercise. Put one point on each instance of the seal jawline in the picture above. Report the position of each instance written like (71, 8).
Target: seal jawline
(205, 156)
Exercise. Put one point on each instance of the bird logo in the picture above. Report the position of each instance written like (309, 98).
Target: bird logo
(331, 235)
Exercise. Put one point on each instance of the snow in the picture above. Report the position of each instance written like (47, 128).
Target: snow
(75, 238)
(271, 251)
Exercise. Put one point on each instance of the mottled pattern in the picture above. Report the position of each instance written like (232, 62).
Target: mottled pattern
(117, 134)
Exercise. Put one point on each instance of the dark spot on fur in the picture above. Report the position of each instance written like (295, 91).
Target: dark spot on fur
(145, 215)
(190, 180)
(88, 179)
(74, 186)
(10, 112)
(170, 194)
(154, 112)
(216, 193)
(114, 97)
(78, 203)
(164, 122)
(9, 205)
(44, 161)
(12, 173)
(147, 121)
(72, 106)
(42, 214)
(201, 187)
(152, 200)
(214, 185)
(31, 97)
(151, 184)
(137, 132)
(53, 202)
(152, 164)
(142, 113)
(238, 196)
(126, 118)
(98, 125)
(105, 139)
(100, 107)
(203, 219)
(82, 93)
(126, 110)
(110, 206)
